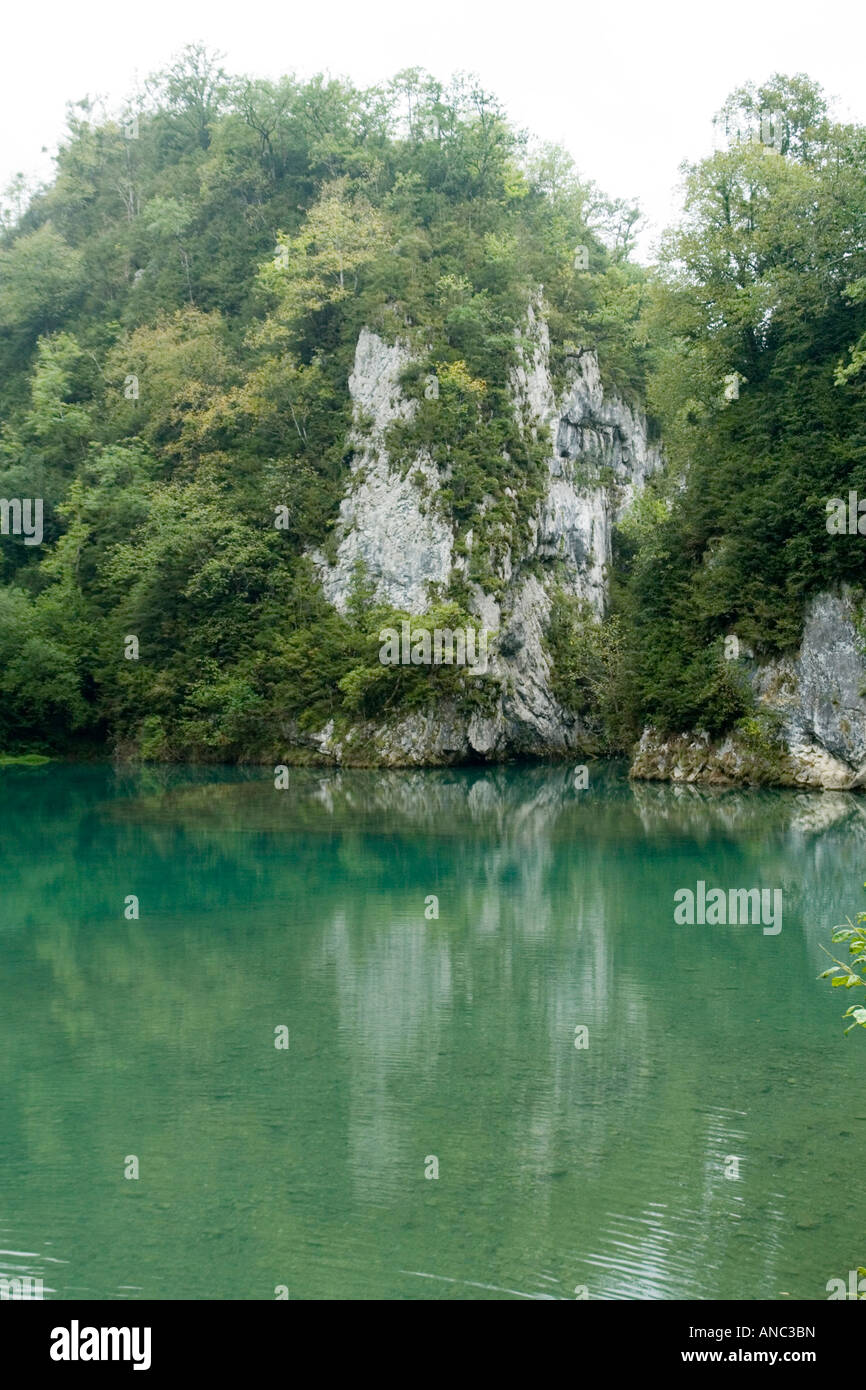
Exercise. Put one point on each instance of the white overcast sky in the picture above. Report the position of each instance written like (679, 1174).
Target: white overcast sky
(629, 88)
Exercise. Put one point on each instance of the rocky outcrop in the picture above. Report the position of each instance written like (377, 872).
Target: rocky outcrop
(809, 726)
(403, 545)
(598, 456)
(594, 435)
(810, 729)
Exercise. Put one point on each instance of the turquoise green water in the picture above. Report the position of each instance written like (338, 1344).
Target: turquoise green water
(413, 1038)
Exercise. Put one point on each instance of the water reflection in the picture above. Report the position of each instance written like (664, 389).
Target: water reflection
(414, 1036)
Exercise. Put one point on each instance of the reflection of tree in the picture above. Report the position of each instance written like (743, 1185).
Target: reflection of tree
(408, 1036)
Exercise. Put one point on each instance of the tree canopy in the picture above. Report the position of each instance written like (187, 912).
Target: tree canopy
(179, 311)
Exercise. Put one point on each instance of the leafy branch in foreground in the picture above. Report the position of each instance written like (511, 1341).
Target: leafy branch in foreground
(850, 976)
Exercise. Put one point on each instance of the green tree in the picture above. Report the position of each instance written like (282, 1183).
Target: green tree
(40, 277)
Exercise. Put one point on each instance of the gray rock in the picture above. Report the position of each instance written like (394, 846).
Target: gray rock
(599, 457)
(383, 519)
(820, 694)
(815, 699)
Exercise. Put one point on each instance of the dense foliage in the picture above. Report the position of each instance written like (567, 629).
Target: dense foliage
(757, 323)
(178, 316)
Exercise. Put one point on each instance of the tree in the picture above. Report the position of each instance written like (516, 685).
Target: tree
(320, 265)
(194, 89)
(745, 322)
(40, 276)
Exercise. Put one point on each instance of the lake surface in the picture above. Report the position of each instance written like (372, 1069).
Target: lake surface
(414, 1038)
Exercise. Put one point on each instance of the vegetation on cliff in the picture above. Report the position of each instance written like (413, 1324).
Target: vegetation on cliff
(757, 323)
(178, 316)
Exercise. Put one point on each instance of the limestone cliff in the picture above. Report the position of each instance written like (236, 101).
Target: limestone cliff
(809, 728)
(812, 706)
(598, 456)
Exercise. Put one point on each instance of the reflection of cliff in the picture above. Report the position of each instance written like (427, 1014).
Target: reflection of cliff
(702, 810)
(501, 802)
(416, 995)
(413, 1036)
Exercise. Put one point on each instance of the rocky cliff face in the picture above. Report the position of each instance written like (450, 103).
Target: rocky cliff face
(810, 729)
(814, 707)
(384, 522)
(598, 456)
